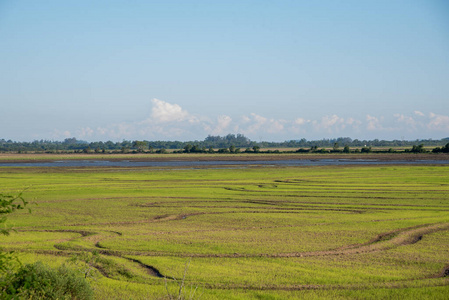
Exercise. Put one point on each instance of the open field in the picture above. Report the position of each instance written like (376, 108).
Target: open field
(251, 233)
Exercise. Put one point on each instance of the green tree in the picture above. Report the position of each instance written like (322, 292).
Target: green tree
(8, 204)
(140, 145)
(188, 148)
(366, 150)
(445, 149)
(418, 149)
(38, 281)
(161, 151)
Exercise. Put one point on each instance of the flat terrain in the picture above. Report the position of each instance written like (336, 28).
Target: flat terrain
(252, 233)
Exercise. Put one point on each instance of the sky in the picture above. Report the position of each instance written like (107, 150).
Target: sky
(183, 70)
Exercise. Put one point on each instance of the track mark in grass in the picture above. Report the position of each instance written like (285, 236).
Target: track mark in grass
(416, 239)
(386, 241)
(445, 272)
(83, 233)
(151, 270)
(382, 242)
(98, 245)
(60, 246)
(294, 181)
(409, 283)
(268, 185)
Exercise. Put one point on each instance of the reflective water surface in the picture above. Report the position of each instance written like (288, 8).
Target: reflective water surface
(229, 163)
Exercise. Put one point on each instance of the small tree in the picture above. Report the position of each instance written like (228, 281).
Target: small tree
(187, 148)
(124, 149)
(8, 204)
(336, 146)
(445, 149)
(366, 150)
(418, 149)
(140, 145)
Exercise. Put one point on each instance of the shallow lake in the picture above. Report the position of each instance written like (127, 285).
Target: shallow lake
(227, 163)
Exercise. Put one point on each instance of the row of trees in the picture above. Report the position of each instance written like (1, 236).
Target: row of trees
(189, 148)
(342, 141)
(238, 141)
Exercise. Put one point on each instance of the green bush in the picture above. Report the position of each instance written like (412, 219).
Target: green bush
(38, 281)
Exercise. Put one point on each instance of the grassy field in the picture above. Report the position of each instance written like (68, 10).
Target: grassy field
(364, 232)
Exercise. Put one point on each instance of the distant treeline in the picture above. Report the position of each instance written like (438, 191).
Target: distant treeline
(228, 143)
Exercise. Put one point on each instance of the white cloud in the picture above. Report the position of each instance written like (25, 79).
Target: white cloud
(373, 123)
(61, 134)
(171, 121)
(409, 121)
(331, 124)
(255, 124)
(438, 122)
(223, 123)
(85, 132)
(165, 112)
(276, 126)
(259, 119)
(300, 121)
(418, 113)
(246, 119)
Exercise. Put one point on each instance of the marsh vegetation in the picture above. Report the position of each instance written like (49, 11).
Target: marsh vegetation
(258, 232)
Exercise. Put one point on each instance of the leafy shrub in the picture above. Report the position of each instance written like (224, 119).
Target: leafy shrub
(37, 281)
(8, 204)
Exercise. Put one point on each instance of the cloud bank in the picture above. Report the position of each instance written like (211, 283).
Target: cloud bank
(169, 121)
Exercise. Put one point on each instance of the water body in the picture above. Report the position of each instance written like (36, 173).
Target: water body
(228, 163)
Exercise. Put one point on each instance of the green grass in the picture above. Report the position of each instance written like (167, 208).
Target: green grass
(364, 232)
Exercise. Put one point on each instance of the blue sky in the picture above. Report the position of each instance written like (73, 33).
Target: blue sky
(182, 70)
